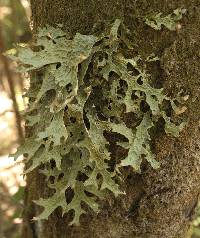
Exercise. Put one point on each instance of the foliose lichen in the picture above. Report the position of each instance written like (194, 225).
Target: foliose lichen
(81, 89)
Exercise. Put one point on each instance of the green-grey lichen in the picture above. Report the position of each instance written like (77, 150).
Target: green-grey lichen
(156, 21)
(81, 89)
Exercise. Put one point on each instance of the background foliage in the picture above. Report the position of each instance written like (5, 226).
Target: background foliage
(14, 27)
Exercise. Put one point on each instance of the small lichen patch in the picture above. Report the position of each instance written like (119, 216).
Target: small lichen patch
(169, 21)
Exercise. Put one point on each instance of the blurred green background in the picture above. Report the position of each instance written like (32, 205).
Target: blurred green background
(15, 27)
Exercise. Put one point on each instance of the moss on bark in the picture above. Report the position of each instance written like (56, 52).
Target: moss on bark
(159, 203)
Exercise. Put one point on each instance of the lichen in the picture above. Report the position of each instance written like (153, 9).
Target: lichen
(86, 86)
(169, 21)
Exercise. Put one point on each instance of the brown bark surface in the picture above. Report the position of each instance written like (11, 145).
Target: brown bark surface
(159, 203)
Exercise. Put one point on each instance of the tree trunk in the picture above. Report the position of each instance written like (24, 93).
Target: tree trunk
(159, 203)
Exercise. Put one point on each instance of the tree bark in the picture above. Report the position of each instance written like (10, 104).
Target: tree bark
(159, 203)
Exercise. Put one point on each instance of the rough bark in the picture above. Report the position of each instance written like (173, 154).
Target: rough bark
(162, 201)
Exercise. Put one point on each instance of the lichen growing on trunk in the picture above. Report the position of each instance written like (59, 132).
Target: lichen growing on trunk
(171, 189)
(71, 142)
